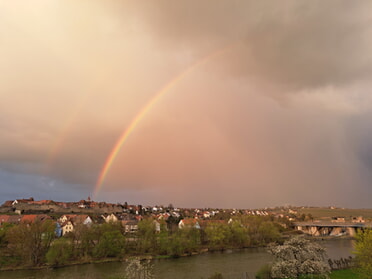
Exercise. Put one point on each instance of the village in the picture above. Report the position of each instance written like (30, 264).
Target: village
(68, 215)
(47, 233)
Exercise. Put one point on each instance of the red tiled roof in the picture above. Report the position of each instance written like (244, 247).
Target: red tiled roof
(4, 218)
(79, 218)
(42, 202)
(28, 218)
(14, 219)
(189, 221)
(25, 200)
(8, 203)
(33, 217)
(69, 216)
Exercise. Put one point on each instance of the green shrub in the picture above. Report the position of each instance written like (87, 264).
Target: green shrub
(59, 252)
(264, 272)
(217, 275)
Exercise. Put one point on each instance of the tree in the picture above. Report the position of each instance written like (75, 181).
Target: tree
(84, 240)
(146, 236)
(3, 231)
(298, 256)
(218, 235)
(239, 235)
(59, 252)
(268, 232)
(183, 241)
(111, 244)
(30, 242)
(363, 252)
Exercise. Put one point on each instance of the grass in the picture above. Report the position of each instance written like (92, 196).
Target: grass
(344, 274)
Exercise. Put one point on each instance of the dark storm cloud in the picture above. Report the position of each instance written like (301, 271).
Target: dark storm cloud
(293, 43)
(280, 116)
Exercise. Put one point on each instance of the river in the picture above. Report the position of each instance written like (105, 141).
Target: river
(232, 264)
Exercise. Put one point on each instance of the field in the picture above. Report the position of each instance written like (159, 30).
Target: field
(319, 212)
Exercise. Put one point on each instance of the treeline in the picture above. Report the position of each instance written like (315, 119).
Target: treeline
(36, 244)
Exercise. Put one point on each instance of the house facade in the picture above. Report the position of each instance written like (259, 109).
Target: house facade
(189, 223)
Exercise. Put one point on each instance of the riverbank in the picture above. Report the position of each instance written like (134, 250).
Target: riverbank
(141, 257)
(230, 263)
(125, 258)
(112, 260)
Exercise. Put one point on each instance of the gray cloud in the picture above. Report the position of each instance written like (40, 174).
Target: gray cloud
(292, 43)
(282, 116)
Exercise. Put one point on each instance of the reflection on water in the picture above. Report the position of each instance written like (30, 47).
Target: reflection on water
(338, 248)
(232, 264)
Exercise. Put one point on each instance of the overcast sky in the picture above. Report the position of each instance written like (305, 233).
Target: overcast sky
(273, 105)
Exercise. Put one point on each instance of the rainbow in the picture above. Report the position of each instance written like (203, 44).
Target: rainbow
(142, 113)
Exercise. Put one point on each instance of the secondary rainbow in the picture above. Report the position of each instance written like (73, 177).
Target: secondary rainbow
(142, 113)
(99, 77)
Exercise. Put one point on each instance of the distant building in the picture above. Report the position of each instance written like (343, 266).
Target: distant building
(67, 227)
(130, 226)
(358, 219)
(338, 219)
(189, 223)
(110, 218)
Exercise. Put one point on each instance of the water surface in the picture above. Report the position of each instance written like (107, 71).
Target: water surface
(232, 264)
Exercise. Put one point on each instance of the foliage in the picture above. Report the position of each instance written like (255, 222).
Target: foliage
(111, 244)
(146, 236)
(84, 239)
(183, 241)
(59, 252)
(363, 252)
(298, 256)
(264, 272)
(3, 231)
(218, 235)
(30, 242)
(268, 232)
(239, 235)
(261, 229)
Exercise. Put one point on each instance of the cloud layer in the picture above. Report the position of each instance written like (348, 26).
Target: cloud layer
(278, 112)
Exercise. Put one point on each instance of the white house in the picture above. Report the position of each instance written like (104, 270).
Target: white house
(130, 226)
(67, 227)
(110, 218)
(189, 223)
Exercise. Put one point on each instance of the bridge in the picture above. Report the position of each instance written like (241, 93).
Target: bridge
(331, 228)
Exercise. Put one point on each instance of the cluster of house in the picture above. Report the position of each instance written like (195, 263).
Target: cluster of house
(342, 219)
(68, 222)
(128, 215)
